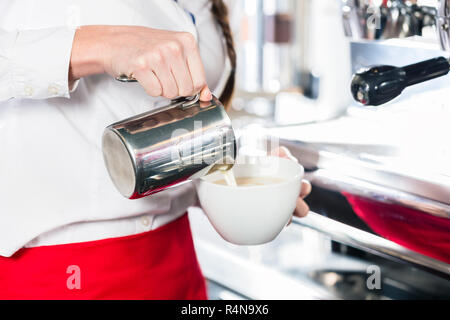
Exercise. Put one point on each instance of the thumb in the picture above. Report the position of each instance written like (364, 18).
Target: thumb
(205, 94)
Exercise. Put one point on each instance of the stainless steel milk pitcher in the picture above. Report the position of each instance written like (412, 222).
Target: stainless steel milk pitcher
(166, 147)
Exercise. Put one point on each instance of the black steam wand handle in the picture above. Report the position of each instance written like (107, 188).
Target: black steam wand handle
(380, 84)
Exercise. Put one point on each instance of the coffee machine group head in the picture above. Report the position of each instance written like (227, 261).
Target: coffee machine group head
(375, 20)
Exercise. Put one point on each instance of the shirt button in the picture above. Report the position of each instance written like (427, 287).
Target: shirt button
(28, 91)
(145, 221)
(53, 90)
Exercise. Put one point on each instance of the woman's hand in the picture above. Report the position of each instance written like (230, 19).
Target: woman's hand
(165, 63)
(302, 208)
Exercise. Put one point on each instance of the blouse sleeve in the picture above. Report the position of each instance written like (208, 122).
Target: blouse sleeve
(34, 64)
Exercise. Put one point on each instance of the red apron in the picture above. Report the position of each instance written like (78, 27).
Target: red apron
(159, 264)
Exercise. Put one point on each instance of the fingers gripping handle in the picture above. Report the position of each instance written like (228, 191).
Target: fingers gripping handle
(183, 102)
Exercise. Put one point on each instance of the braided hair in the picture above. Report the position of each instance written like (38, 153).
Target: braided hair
(219, 11)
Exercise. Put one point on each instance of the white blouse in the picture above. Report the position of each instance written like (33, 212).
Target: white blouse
(54, 187)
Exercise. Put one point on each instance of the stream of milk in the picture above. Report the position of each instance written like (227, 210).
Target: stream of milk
(229, 177)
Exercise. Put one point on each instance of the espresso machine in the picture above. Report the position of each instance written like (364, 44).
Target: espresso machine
(393, 19)
(382, 170)
(378, 162)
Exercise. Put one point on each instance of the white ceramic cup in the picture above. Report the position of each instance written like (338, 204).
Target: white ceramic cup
(252, 215)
